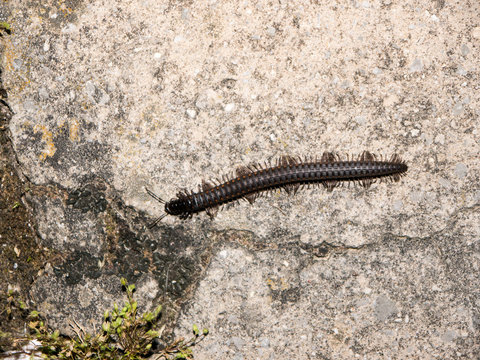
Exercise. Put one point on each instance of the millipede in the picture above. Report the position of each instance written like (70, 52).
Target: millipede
(287, 173)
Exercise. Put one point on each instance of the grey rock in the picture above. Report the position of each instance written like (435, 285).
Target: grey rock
(461, 170)
(416, 66)
(384, 308)
(461, 71)
(398, 205)
(271, 31)
(458, 109)
(445, 183)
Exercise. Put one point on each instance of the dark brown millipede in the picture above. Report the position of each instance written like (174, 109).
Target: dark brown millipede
(288, 173)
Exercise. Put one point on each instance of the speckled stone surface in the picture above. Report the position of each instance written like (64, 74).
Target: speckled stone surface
(112, 96)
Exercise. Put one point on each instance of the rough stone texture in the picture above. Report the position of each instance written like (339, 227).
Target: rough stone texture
(398, 299)
(111, 96)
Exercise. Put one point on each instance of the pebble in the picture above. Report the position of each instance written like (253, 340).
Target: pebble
(440, 139)
(416, 196)
(43, 93)
(465, 50)
(457, 109)
(445, 183)
(397, 205)
(191, 113)
(30, 106)
(360, 120)
(461, 170)
(384, 308)
(449, 336)
(70, 28)
(90, 88)
(229, 107)
(17, 64)
(46, 45)
(104, 99)
(416, 66)
(178, 39)
(461, 71)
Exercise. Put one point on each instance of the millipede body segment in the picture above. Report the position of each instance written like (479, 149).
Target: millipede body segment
(289, 173)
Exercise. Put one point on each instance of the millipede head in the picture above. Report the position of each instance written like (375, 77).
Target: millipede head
(177, 207)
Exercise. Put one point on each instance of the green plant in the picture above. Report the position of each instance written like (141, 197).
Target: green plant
(5, 26)
(124, 336)
(11, 307)
(12, 303)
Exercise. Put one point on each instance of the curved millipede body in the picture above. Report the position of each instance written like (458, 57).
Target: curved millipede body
(250, 182)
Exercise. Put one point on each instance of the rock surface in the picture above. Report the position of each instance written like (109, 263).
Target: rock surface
(112, 96)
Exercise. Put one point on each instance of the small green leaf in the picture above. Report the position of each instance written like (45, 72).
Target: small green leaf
(148, 317)
(205, 331)
(5, 25)
(124, 311)
(131, 288)
(117, 323)
(123, 281)
(106, 326)
(55, 335)
(195, 330)
(106, 314)
(15, 205)
(152, 333)
(158, 310)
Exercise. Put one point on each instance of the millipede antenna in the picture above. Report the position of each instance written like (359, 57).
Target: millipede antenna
(161, 201)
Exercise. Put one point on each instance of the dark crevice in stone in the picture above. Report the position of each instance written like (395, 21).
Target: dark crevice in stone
(21, 258)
